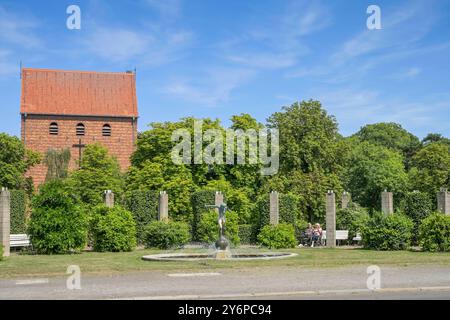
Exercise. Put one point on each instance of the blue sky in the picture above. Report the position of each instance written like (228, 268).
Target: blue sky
(211, 58)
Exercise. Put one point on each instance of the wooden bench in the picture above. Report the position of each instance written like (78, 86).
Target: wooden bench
(340, 235)
(19, 240)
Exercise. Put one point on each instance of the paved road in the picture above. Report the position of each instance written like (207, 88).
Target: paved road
(419, 282)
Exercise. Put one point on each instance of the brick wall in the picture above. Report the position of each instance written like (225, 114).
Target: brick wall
(36, 136)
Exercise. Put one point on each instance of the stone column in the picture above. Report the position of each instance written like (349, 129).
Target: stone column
(443, 199)
(109, 199)
(274, 208)
(5, 214)
(345, 200)
(331, 219)
(387, 202)
(163, 207)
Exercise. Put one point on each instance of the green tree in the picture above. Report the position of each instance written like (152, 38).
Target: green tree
(371, 170)
(98, 172)
(392, 136)
(163, 175)
(15, 160)
(431, 169)
(308, 137)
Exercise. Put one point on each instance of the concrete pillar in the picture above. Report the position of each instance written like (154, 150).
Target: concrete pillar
(345, 200)
(443, 201)
(274, 208)
(5, 215)
(387, 202)
(163, 207)
(331, 219)
(109, 199)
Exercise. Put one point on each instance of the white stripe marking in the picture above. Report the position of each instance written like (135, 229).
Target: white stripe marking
(31, 281)
(182, 275)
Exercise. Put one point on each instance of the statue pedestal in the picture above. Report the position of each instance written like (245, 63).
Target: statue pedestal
(223, 254)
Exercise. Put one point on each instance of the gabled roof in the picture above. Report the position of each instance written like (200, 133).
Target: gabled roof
(62, 92)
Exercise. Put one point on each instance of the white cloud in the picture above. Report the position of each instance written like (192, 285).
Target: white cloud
(117, 44)
(280, 45)
(407, 74)
(18, 29)
(212, 87)
(168, 9)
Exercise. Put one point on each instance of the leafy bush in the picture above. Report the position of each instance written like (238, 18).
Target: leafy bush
(208, 227)
(18, 211)
(278, 237)
(417, 205)
(434, 233)
(58, 223)
(113, 229)
(144, 207)
(245, 234)
(1, 252)
(392, 232)
(166, 234)
(352, 219)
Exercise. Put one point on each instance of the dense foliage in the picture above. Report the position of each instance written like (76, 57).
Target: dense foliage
(18, 217)
(58, 223)
(15, 160)
(352, 219)
(392, 232)
(277, 237)
(417, 205)
(113, 229)
(144, 207)
(166, 234)
(98, 172)
(434, 233)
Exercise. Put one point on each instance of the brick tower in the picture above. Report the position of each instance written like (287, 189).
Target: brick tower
(61, 108)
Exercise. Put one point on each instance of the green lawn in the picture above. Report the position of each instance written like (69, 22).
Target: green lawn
(112, 263)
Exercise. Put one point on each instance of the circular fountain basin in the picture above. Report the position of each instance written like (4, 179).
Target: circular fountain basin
(212, 256)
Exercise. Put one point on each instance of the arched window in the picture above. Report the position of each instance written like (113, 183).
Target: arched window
(80, 129)
(106, 130)
(53, 129)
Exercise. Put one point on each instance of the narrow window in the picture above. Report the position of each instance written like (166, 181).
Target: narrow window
(53, 129)
(80, 129)
(106, 130)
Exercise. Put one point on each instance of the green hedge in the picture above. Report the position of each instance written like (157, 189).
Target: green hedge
(392, 232)
(18, 211)
(144, 207)
(278, 237)
(166, 234)
(417, 205)
(113, 229)
(1, 252)
(434, 233)
(245, 234)
(199, 200)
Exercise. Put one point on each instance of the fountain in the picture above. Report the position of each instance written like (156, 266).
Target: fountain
(222, 247)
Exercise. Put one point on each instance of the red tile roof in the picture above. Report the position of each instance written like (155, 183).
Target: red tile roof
(78, 93)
